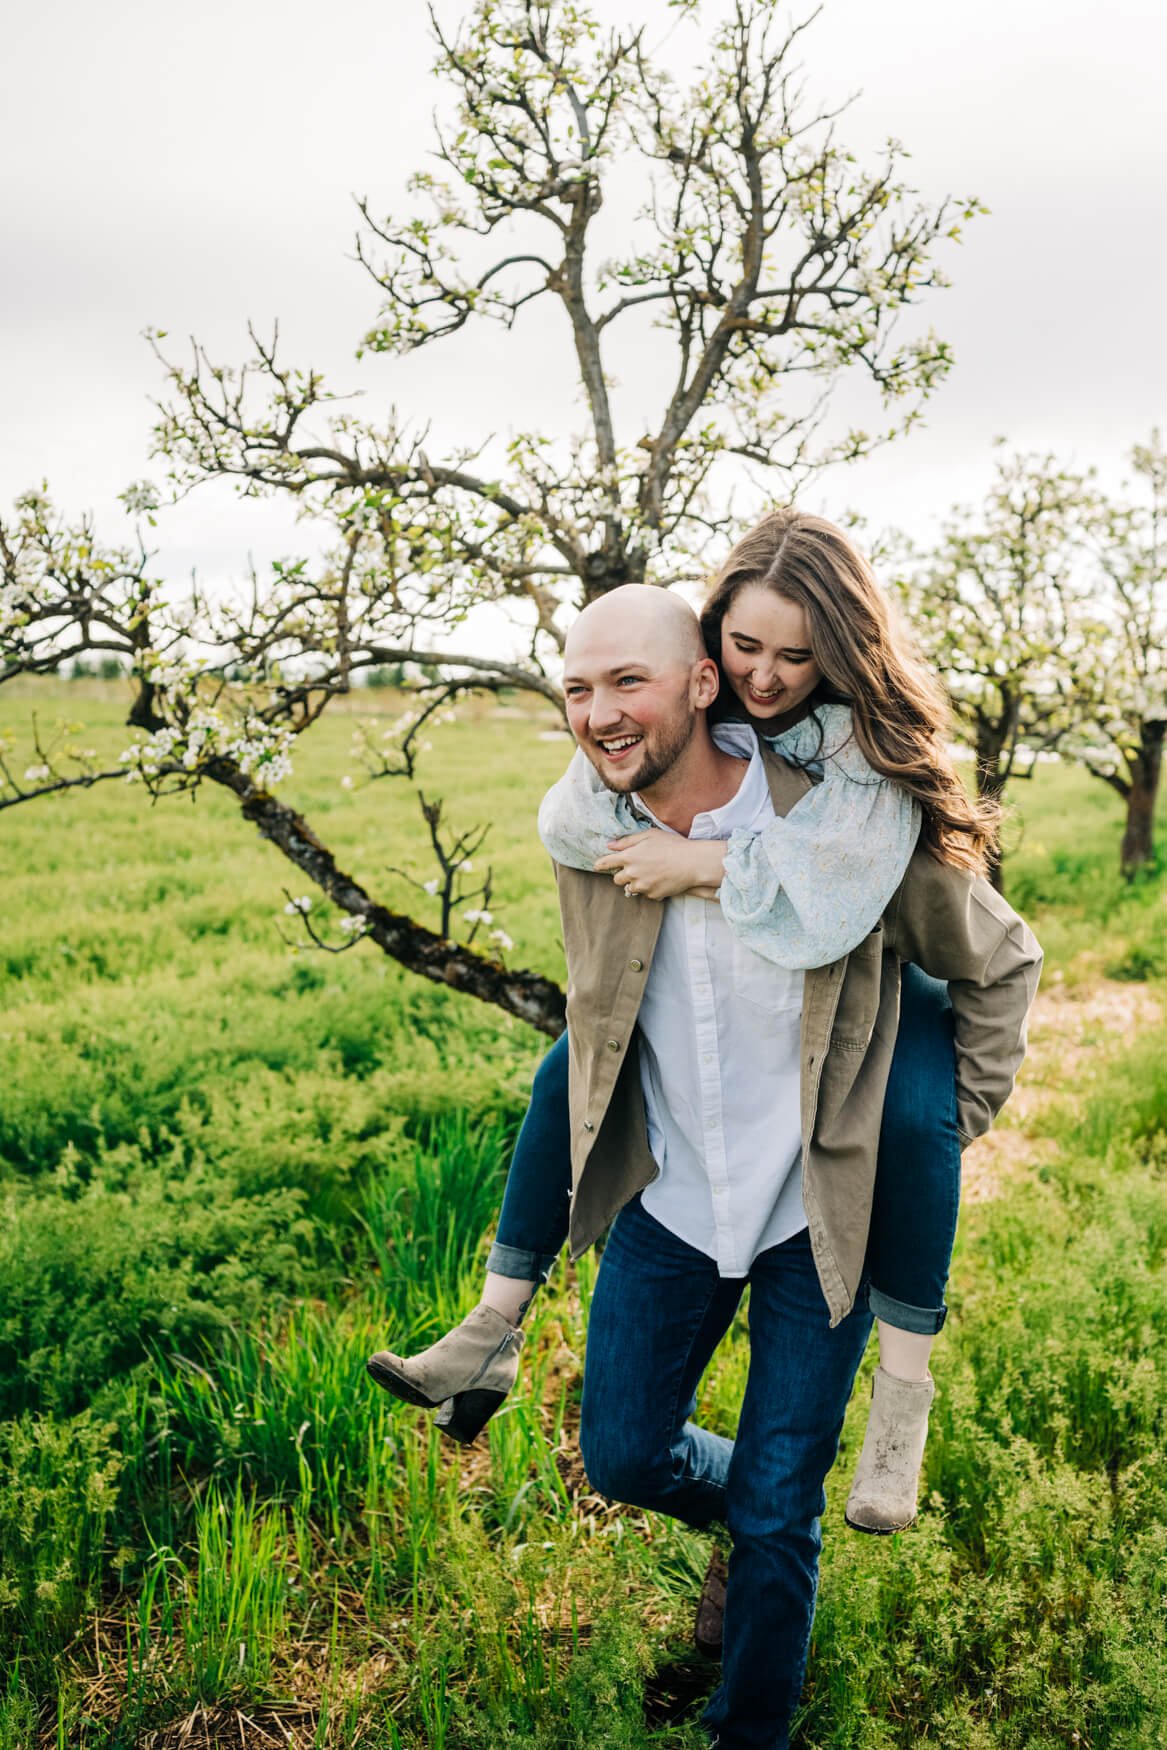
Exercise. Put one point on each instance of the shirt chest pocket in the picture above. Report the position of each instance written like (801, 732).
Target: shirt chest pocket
(772, 991)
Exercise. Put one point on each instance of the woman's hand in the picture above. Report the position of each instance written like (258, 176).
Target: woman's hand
(657, 865)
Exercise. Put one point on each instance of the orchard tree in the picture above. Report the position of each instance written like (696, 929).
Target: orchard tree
(761, 266)
(1123, 742)
(1001, 606)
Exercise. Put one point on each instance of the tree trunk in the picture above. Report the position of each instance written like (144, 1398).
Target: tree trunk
(1146, 769)
(528, 995)
(612, 567)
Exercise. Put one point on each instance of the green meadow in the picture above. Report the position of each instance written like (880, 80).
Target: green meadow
(231, 1166)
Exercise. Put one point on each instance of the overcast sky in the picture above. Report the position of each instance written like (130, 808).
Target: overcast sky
(192, 167)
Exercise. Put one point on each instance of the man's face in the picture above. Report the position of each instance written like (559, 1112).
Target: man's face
(632, 718)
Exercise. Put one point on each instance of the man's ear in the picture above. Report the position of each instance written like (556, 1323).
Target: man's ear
(705, 683)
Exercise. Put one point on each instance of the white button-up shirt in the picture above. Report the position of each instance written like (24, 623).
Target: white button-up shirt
(719, 1062)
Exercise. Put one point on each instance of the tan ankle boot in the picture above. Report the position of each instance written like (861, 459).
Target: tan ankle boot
(465, 1375)
(883, 1495)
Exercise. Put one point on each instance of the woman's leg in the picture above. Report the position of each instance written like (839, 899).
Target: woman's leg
(913, 1224)
(917, 1183)
(536, 1204)
(467, 1373)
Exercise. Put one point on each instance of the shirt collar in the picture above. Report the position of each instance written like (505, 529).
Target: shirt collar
(751, 799)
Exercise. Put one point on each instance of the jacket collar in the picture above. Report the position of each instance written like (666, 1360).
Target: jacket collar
(787, 784)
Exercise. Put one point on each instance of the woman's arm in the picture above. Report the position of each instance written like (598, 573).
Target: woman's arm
(584, 825)
(812, 885)
(578, 817)
(657, 865)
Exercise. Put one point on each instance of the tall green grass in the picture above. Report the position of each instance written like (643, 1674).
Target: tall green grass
(228, 1173)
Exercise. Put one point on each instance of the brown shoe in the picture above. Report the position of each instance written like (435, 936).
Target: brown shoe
(707, 1630)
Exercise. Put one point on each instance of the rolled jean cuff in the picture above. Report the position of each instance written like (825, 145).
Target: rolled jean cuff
(523, 1266)
(922, 1321)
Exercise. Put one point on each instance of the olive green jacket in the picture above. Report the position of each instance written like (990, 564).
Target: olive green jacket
(944, 920)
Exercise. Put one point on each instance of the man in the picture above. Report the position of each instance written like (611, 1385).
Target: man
(767, 1115)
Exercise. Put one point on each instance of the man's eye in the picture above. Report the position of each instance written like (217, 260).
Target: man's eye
(633, 680)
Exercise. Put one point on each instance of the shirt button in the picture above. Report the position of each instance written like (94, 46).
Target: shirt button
(636, 965)
(588, 1125)
(613, 1045)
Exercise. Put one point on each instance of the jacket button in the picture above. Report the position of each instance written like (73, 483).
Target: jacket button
(636, 965)
(613, 1045)
(588, 1125)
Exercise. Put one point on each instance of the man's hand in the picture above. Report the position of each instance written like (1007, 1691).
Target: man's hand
(657, 865)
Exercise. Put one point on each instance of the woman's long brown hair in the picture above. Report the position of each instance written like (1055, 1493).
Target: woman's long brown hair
(900, 717)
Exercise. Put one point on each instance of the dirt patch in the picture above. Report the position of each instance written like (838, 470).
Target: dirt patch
(1072, 1033)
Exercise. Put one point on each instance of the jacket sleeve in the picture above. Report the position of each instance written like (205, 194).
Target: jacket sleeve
(955, 926)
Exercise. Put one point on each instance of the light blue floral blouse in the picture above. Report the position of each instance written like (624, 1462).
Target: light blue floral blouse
(808, 888)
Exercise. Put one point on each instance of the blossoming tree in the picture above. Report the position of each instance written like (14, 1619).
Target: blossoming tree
(763, 266)
(1001, 604)
(1122, 742)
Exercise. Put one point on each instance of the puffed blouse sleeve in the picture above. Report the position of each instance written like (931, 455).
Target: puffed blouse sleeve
(807, 889)
(578, 816)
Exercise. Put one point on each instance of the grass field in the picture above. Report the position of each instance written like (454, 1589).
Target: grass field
(229, 1171)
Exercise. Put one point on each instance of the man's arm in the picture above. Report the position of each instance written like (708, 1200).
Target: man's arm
(956, 927)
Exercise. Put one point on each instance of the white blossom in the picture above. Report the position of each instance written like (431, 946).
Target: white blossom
(140, 497)
(478, 917)
(431, 887)
(36, 774)
(503, 940)
(298, 907)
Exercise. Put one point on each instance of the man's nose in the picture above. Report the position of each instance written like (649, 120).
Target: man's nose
(606, 712)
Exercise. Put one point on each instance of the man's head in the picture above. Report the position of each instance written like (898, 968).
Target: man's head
(638, 682)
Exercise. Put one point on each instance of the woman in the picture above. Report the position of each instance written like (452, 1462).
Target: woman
(809, 657)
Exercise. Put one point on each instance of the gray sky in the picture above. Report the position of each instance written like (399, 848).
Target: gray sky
(190, 167)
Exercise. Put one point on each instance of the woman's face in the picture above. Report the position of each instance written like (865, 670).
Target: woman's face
(765, 652)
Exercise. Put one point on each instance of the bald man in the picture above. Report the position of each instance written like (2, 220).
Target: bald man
(725, 1117)
(645, 644)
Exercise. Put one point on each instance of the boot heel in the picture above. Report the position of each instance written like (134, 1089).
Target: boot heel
(465, 1415)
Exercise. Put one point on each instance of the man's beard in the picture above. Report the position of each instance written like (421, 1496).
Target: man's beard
(656, 761)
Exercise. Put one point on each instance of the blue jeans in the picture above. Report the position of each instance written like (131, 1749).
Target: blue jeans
(658, 1312)
(917, 1183)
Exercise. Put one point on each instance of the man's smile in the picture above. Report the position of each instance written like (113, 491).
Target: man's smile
(614, 747)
